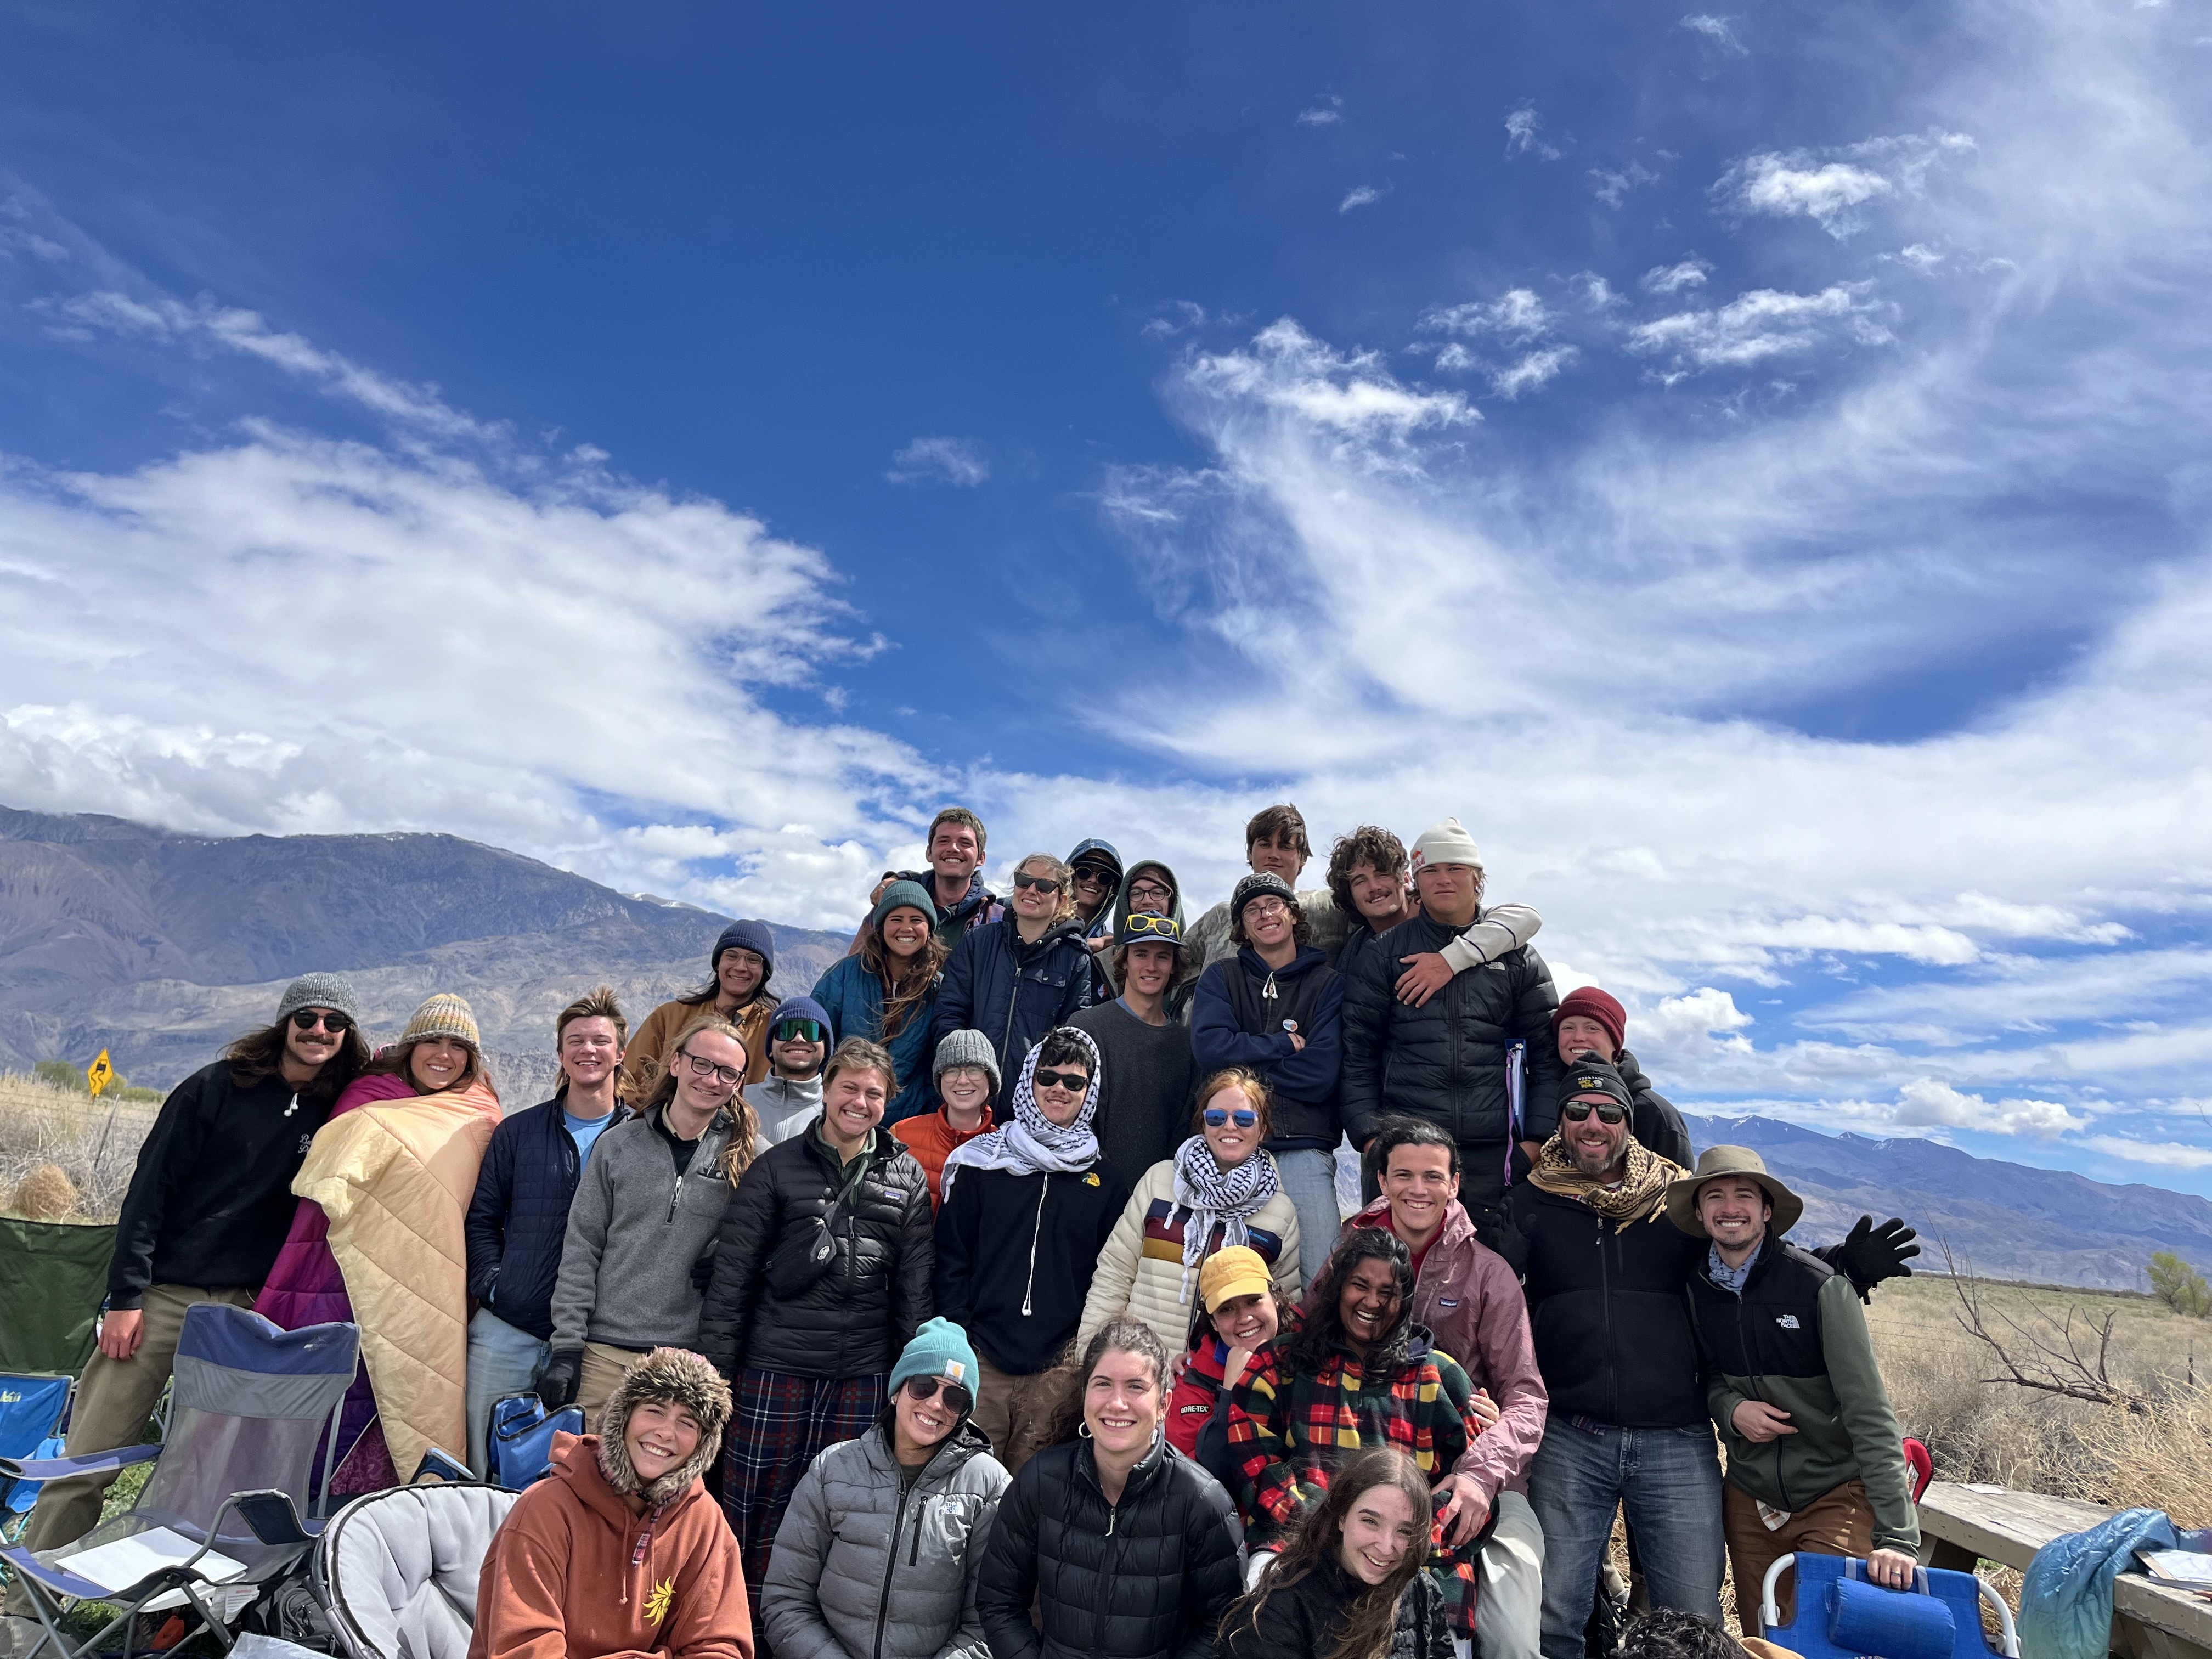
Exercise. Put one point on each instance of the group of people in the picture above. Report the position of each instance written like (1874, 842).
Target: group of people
(996, 1293)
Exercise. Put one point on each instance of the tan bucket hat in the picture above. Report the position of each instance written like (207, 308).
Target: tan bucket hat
(1717, 1161)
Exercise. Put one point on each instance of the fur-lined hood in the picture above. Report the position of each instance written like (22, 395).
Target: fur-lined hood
(665, 1374)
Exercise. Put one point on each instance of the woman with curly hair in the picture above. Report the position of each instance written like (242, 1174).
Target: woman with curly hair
(1358, 1372)
(1349, 1583)
(887, 992)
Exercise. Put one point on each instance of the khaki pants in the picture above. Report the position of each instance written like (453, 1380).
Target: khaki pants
(1839, 1522)
(1508, 1575)
(1016, 1411)
(113, 1401)
(604, 1367)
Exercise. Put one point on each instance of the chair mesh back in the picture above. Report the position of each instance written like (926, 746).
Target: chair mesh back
(251, 1404)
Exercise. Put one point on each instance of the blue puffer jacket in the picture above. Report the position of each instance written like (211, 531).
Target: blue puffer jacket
(854, 999)
(519, 1215)
(1012, 991)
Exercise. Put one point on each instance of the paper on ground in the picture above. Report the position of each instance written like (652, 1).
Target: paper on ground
(118, 1566)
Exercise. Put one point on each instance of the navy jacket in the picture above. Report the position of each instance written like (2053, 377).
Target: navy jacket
(519, 1215)
(1234, 1022)
(1012, 991)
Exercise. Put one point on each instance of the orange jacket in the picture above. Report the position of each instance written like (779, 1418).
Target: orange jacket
(931, 1138)
(572, 1574)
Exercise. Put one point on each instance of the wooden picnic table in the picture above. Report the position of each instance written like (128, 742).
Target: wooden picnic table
(1959, 1525)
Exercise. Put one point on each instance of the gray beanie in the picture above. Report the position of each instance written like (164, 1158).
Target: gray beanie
(319, 990)
(967, 1048)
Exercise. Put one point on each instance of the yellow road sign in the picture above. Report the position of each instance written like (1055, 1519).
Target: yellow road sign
(99, 1073)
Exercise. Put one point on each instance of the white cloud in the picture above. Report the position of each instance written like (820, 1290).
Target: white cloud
(2169, 1155)
(1522, 127)
(957, 461)
(1830, 186)
(1761, 324)
(1517, 315)
(1926, 1103)
(1716, 29)
(1326, 113)
(1360, 196)
(1673, 279)
(1531, 371)
(1613, 185)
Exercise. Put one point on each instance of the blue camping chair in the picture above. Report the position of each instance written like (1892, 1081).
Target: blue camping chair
(521, 1438)
(1843, 1614)
(32, 1409)
(252, 1402)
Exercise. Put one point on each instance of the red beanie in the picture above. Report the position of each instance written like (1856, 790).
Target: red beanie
(1594, 1004)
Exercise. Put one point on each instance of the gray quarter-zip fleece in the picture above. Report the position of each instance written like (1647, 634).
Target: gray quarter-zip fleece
(634, 1231)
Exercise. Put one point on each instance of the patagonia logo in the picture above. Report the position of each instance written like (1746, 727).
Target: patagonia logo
(1788, 1321)
(1447, 1302)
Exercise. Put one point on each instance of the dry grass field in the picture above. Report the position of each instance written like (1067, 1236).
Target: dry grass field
(92, 1143)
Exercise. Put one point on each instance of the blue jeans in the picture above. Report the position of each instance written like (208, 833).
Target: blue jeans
(1669, 1482)
(1310, 1183)
(502, 1361)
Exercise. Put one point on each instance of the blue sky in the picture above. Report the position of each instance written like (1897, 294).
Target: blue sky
(1753, 466)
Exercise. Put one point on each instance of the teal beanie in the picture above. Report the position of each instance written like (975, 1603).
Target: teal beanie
(939, 1348)
(907, 893)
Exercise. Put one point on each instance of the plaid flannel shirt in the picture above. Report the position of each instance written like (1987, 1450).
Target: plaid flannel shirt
(1286, 1438)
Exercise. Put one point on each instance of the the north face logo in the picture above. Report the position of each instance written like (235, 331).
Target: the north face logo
(1788, 1321)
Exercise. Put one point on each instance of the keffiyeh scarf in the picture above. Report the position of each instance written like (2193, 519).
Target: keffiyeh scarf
(1214, 1197)
(1033, 1143)
(1641, 1196)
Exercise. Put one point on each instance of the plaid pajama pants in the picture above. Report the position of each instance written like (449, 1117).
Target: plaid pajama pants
(780, 1422)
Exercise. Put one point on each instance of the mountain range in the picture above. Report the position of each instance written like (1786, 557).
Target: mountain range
(159, 947)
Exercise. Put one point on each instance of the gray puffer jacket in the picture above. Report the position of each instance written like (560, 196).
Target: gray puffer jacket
(863, 1570)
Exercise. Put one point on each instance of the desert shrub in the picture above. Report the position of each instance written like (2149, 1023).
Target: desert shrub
(2180, 1285)
(62, 1075)
(2160, 1458)
(93, 1144)
(44, 1194)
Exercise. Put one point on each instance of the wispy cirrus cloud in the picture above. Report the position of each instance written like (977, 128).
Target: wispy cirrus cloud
(960, 462)
(1718, 30)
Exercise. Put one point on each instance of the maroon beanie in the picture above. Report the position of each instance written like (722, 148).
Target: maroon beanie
(1594, 1004)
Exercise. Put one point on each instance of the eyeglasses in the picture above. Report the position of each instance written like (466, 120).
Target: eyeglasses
(797, 1031)
(1075, 1082)
(306, 1019)
(1611, 1111)
(727, 1076)
(1042, 884)
(1266, 906)
(1141, 924)
(958, 1400)
(1150, 890)
(1244, 1117)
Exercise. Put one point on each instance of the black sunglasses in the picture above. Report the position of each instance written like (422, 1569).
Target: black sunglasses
(306, 1019)
(1077, 1082)
(804, 1030)
(1044, 884)
(1611, 1111)
(958, 1400)
(1105, 875)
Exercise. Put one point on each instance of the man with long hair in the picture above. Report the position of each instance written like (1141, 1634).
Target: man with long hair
(519, 1214)
(208, 1209)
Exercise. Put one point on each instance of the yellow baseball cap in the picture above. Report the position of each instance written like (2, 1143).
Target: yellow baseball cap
(1230, 1273)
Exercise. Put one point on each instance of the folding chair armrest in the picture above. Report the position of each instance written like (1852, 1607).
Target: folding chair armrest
(273, 1519)
(60, 1469)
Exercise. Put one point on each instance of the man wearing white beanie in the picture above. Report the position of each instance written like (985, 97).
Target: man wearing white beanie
(1447, 1060)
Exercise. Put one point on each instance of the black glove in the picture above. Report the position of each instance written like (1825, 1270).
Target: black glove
(702, 1274)
(557, 1385)
(1871, 1253)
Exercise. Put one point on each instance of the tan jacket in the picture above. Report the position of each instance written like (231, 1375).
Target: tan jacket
(1140, 1271)
(645, 1058)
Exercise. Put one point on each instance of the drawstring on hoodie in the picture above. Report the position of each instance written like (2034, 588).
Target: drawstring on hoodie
(643, 1551)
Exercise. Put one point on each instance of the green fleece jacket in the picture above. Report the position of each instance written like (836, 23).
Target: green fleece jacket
(1795, 1337)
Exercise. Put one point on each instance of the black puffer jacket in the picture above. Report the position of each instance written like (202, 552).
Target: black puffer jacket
(1146, 1579)
(1444, 1061)
(1653, 1121)
(859, 1314)
(1012, 993)
(1305, 1621)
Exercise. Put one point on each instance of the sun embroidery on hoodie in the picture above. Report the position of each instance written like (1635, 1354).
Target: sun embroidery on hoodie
(656, 1605)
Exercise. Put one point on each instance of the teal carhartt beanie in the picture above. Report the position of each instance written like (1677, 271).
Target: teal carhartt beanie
(939, 1348)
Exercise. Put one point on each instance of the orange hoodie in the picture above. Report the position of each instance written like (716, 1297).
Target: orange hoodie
(572, 1574)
